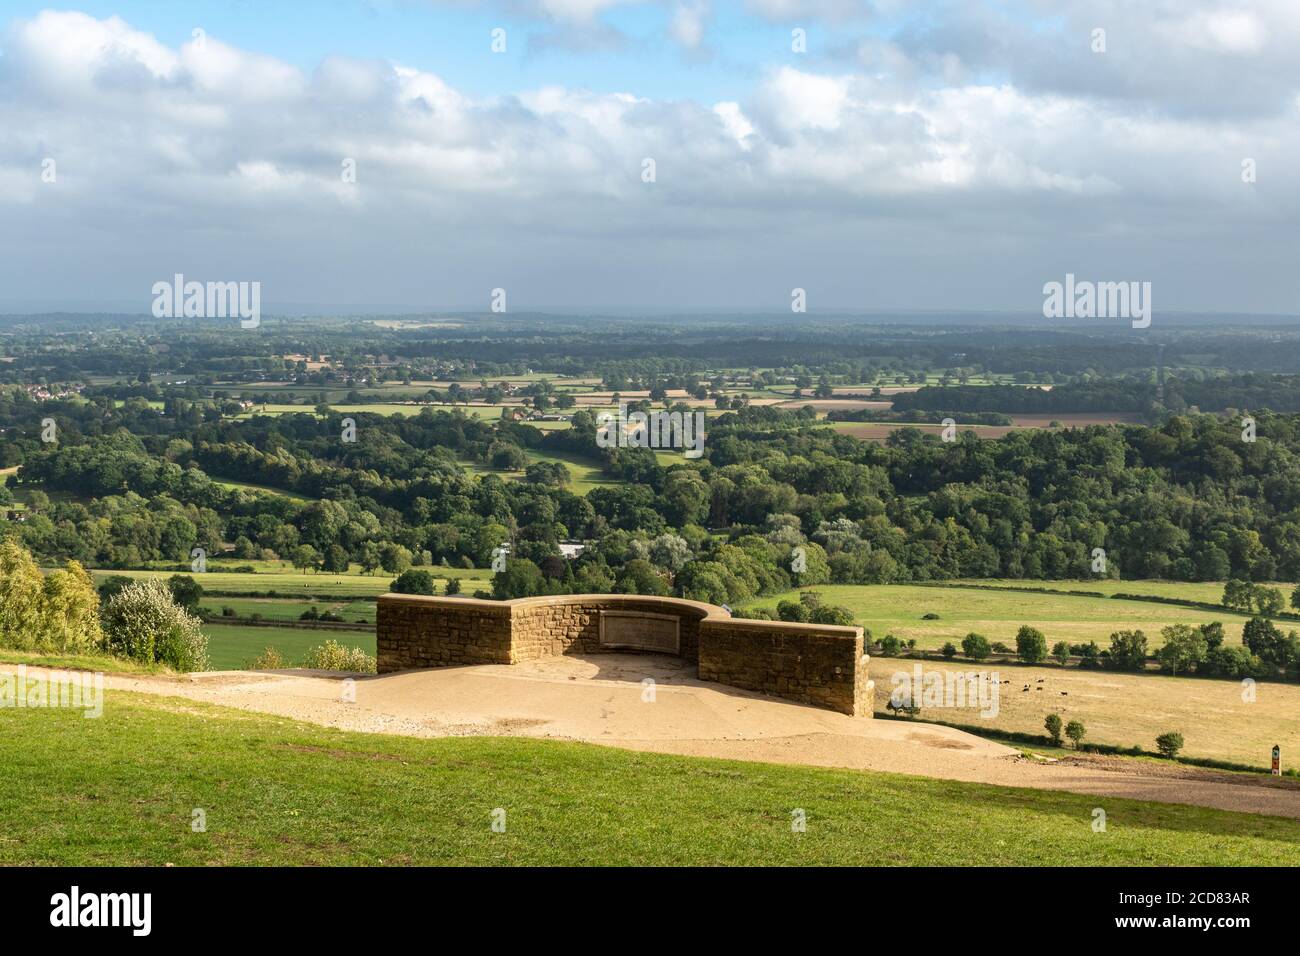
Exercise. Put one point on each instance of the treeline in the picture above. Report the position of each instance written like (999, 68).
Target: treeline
(1280, 393)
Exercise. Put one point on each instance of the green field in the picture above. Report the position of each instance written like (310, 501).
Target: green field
(898, 608)
(360, 611)
(235, 646)
(122, 790)
(348, 585)
(1205, 592)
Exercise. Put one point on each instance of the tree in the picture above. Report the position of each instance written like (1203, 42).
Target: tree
(452, 586)
(415, 581)
(521, 578)
(949, 650)
(890, 645)
(1053, 725)
(185, 591)
(1169, 744)
(1128, 651)
(976, 646)
(394, 558)
(1185, 648)
(1031, 645)
(335, 560)
(1237, 595)
(304, 557)
(1076, 732)
(1061, 651)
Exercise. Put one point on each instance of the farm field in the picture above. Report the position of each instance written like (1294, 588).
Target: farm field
(1128, 709)
(279, 609)
(898, 608)
(285, 583)
(262, 489)
(235, 646)
(1204, 592)
(313, 795)
(290, 583)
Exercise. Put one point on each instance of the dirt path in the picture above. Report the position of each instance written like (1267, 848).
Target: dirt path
(605, 699)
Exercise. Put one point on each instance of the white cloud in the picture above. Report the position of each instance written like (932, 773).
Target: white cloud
(209, 155)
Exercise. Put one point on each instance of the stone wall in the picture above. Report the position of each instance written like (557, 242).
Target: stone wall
(809, 663)
(813, 664)
(414, 631)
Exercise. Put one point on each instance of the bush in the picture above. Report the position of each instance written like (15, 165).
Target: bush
(227, 612)
(1076, 732)
(890, 645)
(1031, 645)
(268, 660)
(1061, 651)
(185, 591)
(333, 656)
(414, 581)
(453, 586)
(144, 623)
(831, 614)
(929, 616)
(311, 614)
(950, 650)
(976, 646)
(1169, 744)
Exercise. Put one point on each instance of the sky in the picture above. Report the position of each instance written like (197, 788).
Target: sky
(656, 155)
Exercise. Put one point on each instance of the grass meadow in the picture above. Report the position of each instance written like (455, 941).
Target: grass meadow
(122, 790)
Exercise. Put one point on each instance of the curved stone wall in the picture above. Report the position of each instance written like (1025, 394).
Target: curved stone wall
(810, 663)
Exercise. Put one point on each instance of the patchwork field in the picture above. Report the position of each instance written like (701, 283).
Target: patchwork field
(274, 791)
(898, 609)
(1214, 716)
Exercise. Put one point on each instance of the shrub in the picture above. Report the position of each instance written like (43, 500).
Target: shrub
(890, 645)
(976, 646)
(333, 656)
(1053, 725)
(1061, 651)
(268, 660)
(227, 612)
(414, 581)
(144, 623)
(831, 614)
(311, 614)
(1076, 732)
(185, 591)
(1169, 744)
(929, 616)
(950, 650)
(452, 587)
(1031, 645)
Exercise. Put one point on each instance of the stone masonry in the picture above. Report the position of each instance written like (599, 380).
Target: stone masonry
(813, 664)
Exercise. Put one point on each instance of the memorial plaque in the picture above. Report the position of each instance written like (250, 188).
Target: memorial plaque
(639, 631)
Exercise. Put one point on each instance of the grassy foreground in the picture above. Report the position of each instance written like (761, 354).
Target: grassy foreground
(122, 790)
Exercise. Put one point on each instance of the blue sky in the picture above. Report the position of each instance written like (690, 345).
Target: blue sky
(452, 40)
(922, 154)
